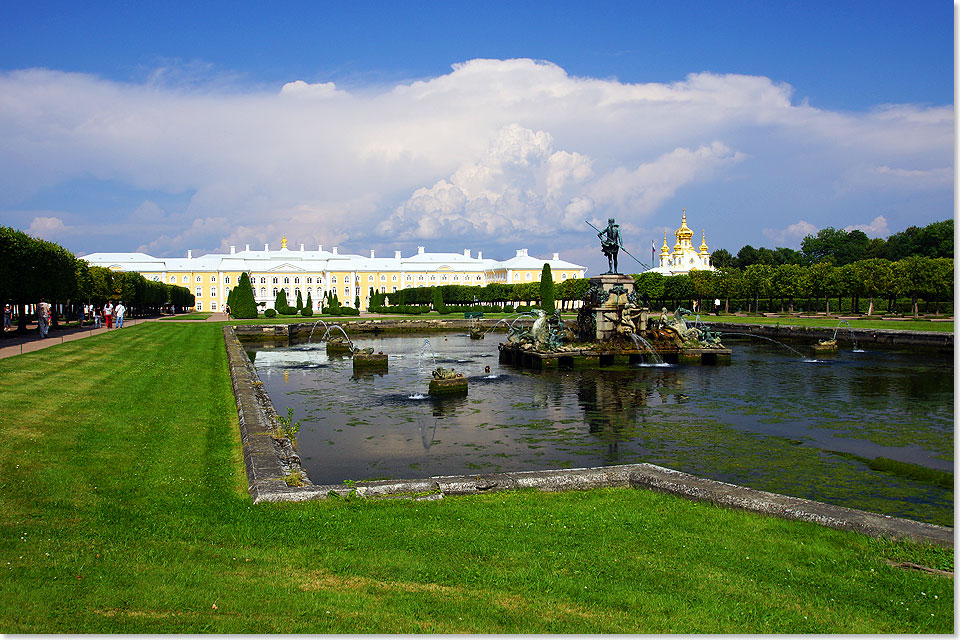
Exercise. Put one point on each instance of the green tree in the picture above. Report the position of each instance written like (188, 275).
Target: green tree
(649, 286)
(280, 304)
(941, 280)
(756, 282)
(722, 258)
(307, 310)
(912, 276)
(702, 284)
(822, 281)
(299, 300)
(244, 305)
(876, 274)
(728, 283)
(547, 294)
(786, 281)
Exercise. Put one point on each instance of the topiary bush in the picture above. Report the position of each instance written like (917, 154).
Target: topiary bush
(270, 313)
(242, 303)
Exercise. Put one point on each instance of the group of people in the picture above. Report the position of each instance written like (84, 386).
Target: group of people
(110, 315)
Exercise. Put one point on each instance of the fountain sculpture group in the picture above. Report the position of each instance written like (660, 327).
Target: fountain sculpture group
(612, 327)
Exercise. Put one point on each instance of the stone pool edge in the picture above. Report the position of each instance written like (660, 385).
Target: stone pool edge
(268, 461)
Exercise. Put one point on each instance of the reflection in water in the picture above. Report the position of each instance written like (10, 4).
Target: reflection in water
(755, 422)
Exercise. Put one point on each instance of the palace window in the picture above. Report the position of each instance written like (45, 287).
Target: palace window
(213, 292)
(213, 278)
(346, 291)
(156, 278)
(226, 291)
(226, 279)
(199, 306)
(263, 281)
(563, 276)
(286, 290)
(185, 280)
(333, 279)
(394, 290)
(296, 281)
(442, 278)
(456, 278)
(173, 279)
(384, 278)
(516, 276)
(199, 292)
(199, 279)
(433, 278)
(420, 278)
(527, 276)
(275, 292)
(478, 278)
(263, 292)
(276, 281)
(309, 280)
(213, 306)
(286, 281)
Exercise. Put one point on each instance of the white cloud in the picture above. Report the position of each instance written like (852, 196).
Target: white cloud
(792, 234)
(47, 228)
(877, 228)
(492, 149)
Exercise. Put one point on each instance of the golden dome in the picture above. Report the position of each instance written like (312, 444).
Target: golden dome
(684, 232)
(703, 245)
(283, 242)
(664, 250)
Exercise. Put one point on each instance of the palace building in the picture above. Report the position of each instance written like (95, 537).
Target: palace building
(210, 277)
(684, 258)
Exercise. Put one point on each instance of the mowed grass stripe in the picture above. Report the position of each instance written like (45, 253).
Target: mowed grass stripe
(137, 526)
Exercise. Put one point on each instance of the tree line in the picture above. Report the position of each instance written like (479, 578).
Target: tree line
(31, 269)
(764, 287)
(841, 247)
(494, 296)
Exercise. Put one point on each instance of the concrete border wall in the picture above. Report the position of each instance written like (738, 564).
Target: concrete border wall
(268, 461)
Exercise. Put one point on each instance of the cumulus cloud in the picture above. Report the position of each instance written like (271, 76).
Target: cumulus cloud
(792, 234)
(47, 228)
(877, 228)
(491, 149)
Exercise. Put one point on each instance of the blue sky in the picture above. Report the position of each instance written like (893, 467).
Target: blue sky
(171, 126)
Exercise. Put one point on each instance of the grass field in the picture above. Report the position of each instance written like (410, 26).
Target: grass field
(123, 509)
(831, 323)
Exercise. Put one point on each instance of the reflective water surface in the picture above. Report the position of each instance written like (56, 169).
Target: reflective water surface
(770, 420)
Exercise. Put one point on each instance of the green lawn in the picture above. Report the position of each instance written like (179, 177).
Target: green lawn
(831, 323)
(123, 509)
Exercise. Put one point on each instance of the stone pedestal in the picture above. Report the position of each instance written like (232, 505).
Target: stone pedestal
(614, 287)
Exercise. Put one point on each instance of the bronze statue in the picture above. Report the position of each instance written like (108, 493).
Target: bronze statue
(610, 243)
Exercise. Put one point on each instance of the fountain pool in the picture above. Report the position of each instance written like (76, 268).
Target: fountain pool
(768, 420)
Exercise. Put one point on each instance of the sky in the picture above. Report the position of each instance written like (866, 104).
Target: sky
(171, 126)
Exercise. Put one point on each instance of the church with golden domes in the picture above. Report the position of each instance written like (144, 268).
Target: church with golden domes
(684, 258)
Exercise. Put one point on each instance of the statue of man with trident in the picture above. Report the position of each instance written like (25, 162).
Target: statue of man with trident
(610, 243)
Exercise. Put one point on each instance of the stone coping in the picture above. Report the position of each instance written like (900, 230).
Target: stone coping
(268, 461)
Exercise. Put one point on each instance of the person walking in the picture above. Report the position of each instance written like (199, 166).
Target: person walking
(716, 306)
(97, 316)
(119, 310)
(108, 313)
(7, 316)
(43, 317)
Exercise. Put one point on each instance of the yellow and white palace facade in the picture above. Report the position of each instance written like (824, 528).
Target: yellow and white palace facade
(210, 277)
(684, 258)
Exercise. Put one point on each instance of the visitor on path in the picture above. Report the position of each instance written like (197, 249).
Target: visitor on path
(97, 316)
(108, 314)
(7, 316)
(119, 311)
(716, 306)
(227, 309)
(43, 317)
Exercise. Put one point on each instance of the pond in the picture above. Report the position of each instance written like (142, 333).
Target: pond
(770, 420)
